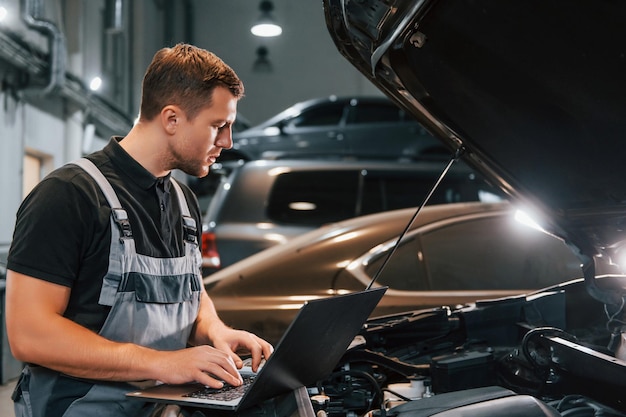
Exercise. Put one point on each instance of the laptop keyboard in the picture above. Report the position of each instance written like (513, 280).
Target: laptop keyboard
(226, 393)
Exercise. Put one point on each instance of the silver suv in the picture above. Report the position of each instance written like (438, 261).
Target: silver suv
(261, 203)
(337, 127)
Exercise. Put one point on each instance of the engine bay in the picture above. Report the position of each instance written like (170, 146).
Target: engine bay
(549, 353)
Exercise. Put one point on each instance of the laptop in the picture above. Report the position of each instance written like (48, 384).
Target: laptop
(308, 351)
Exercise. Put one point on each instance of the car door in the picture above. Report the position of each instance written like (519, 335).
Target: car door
(315, 131)
(496, 253)
(468, 259)
(380, 129)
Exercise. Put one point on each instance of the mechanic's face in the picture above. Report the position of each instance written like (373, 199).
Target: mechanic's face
(199, 142)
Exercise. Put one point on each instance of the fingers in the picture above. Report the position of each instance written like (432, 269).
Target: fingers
(203, 364)
(261, 350)
(215, 376)
(236, 359)
(258, 348)
(230, 340)
(218, 368)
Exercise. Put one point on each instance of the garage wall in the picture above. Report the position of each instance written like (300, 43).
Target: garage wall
(10, 166)
(28, 129)
(32, 120)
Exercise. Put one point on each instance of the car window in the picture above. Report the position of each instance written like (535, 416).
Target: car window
(480, 254)
(329, 114)
(313, 198)
(385, 191)
(373, 113)
(404, 271)
(393, 190)
(496, 252)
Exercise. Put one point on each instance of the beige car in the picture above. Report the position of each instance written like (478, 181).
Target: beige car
(454, 254)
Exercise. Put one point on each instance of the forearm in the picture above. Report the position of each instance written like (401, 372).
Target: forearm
(82, 353)
(40, 334)
(206, 322)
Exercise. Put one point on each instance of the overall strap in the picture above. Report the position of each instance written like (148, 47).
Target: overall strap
(189, 223)
(119, 214)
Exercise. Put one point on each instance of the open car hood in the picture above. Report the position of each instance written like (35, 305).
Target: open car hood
(532, 94)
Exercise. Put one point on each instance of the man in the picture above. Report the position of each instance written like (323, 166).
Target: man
(103, 283)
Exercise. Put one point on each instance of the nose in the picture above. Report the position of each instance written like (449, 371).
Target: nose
(224, 138)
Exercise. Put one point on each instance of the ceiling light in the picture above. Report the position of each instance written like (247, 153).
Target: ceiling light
(3, 13)
(95, 84)
(266, 26)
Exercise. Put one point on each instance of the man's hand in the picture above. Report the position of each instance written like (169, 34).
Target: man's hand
(230, 341)
(204, 364)
(210, 330)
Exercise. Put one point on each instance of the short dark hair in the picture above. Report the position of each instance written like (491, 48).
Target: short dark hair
(185, 76)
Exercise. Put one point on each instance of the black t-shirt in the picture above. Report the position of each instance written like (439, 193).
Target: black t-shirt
(63, 230)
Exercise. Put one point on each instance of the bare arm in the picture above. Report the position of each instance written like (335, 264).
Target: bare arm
(209, 329)
(38, 333)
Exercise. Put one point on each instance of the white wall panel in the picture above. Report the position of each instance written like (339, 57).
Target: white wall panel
(11, 151)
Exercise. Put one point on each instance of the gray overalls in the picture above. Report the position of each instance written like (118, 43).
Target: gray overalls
(154, 303)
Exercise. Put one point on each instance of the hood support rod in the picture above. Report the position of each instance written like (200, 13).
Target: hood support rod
(457, 154)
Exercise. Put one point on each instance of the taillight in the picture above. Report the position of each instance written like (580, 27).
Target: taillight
(210, 256)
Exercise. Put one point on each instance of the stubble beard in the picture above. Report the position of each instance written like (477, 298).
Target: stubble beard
(194, 167)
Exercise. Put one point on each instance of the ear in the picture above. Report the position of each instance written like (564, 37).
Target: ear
(170, 118)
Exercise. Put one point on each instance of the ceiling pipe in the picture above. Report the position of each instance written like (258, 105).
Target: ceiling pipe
(26, 59)
(56, 42)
